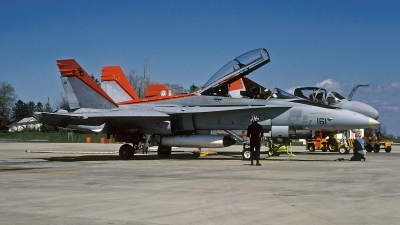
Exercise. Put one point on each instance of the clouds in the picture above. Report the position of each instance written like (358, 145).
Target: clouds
(384, 106)
(328, 84)
(390, 87)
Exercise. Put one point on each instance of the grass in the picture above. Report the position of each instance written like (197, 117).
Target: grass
(56, 137)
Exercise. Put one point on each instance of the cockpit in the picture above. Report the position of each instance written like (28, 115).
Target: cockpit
(319, 95)
(230, 74)
(232, 80)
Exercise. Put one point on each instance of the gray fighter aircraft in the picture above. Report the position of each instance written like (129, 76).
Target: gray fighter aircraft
(320, 95)
(187, 120)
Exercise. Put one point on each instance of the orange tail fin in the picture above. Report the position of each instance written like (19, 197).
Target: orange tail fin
(116, 85)
(81, 90)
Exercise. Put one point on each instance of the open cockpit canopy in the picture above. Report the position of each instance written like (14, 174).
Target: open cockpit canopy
(236, 69)
(281, 94)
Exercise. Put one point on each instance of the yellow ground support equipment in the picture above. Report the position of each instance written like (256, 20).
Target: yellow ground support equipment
(376, 143)
(319, 143)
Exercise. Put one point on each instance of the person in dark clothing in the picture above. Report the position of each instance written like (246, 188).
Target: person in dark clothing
(255, 133)
(358, 148)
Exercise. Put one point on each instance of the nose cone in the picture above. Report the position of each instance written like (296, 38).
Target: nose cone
(347, 120)
(362, 108)
(373, 122)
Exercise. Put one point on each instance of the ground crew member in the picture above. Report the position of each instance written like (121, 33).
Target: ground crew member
(358, 148)
(255, 133)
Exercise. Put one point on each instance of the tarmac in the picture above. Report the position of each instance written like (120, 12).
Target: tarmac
(48, 183)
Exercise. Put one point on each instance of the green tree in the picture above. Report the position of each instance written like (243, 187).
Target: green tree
(39, 107)
(31, 108)
(193, 88)
(7, 99)
(21, 110)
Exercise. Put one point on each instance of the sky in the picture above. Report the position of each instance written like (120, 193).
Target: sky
(331, 44)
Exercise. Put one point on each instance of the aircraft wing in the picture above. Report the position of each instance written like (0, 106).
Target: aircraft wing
(135, 118)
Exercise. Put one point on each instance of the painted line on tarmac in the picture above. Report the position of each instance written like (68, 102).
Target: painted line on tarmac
(22, 160)
(70, 152)
(63, 172)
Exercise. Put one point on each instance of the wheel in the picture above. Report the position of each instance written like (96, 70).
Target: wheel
(246, 154)
(164, 152)
(324, 147)
(332, 145)
(126, 151)
(246, 151)
(343, 150)
(368, 147)
(377, 148)
(388, 149)
(271, 153)
(311, 147)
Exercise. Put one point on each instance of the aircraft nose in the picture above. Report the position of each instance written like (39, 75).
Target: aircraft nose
(365, 109)
(374, 113)
(372, 122)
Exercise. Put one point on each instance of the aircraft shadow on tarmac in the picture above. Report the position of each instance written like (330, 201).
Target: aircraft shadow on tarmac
(176, 156)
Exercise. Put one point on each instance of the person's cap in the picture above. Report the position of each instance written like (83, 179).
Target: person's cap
(254, 119)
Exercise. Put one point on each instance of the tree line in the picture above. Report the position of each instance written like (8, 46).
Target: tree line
(12, 111)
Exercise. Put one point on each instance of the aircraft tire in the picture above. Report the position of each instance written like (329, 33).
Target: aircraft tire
(246, 152)
(164, 151)
(126, 151)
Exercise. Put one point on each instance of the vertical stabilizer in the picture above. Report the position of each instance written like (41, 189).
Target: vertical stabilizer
(81, 90)
(116, 85)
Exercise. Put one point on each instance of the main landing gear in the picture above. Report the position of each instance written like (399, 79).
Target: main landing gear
(126, 151)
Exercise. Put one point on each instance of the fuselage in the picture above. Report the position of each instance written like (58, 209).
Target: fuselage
(198, 113)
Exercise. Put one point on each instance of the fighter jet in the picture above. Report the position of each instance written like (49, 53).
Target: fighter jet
(320, 95)
(187, 120)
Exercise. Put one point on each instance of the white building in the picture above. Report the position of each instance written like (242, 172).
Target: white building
(29, 122)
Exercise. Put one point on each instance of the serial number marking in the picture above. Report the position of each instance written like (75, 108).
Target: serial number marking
(321, 121)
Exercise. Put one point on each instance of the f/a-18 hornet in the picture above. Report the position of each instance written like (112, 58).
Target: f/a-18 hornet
(187, 120)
